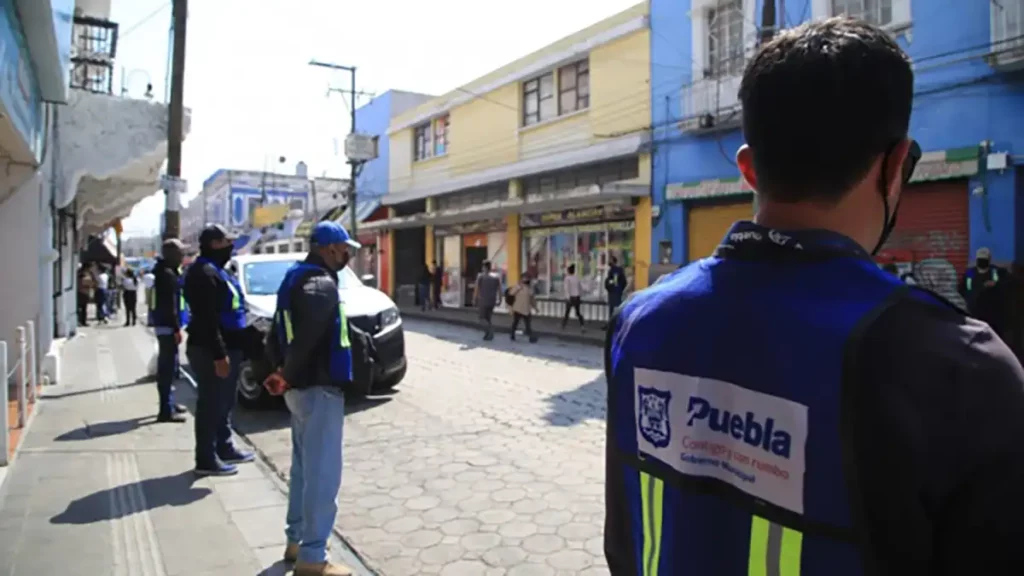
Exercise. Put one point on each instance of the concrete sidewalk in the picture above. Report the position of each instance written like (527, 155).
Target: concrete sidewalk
(98, 487)
(543, 326)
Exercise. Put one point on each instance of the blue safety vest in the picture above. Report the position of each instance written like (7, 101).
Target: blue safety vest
(340, 348)
(728, 411)
(972, 273)
(231, 312)
(181, 307)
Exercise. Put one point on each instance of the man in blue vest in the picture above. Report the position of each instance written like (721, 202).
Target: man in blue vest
(786, 407)
(216, 335)
(309, 342)
(168, 315)
(985, 289)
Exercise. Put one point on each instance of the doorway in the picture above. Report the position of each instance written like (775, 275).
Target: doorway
(475, 255)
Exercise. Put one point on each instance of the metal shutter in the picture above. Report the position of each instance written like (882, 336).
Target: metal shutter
(706, 224)
(933, 235)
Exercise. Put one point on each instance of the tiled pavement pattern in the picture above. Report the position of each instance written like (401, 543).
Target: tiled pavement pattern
(487, 461)
(99, 488)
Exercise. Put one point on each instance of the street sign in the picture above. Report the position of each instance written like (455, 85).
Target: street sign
(173, 184)
(360, 147)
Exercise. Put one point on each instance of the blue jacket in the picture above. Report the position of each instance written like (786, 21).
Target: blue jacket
(736, 422)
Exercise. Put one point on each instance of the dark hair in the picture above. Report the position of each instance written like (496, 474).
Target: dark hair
(571, 268)
(487, 265)
(820, 103)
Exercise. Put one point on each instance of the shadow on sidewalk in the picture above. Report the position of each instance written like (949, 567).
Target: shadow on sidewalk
(254, 421)
(588, 402)
(137, 382)
(102, 429)
(174, 490)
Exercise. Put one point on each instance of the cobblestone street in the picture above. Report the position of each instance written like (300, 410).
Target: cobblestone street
(488, 460)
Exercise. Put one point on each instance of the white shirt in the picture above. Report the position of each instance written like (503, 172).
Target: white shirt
(148, 280)
(102, 281)
(128, 284)
(572, 286)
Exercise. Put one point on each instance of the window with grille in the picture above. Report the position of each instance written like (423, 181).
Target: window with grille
(441, 136)
(421, 142)
(877, 12)
(1008, 28)
(574, 87)
(725, 39)
(539, 99)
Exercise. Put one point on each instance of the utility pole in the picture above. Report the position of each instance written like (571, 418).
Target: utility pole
(354, 165)
(768, 22)
(175, 124)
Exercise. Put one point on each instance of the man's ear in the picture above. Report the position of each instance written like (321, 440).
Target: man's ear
(894, 169)
(745, 162)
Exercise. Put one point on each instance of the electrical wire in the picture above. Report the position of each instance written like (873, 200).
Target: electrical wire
(144, 19)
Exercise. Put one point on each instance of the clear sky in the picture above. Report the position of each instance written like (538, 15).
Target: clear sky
(253, 97)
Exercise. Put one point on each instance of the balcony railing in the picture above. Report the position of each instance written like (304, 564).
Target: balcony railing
(94, 46)
(1007, 34)
(711, 104)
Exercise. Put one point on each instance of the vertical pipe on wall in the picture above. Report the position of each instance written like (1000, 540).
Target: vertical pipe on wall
(428, 245)
(641, 239)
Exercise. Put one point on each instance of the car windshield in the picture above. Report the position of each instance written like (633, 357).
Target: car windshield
(264, 278)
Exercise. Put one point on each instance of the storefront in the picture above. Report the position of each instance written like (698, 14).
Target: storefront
(931, 240)
(461, 250)
(707, 222)
(587, 237)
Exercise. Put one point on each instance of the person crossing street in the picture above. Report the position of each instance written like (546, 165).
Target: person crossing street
(309, 344)
(216, 335)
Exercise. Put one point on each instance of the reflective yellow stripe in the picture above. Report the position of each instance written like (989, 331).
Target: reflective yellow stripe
(652, 493)
(288, 334)
(969, 282)
(344, 326)
(774, 549)
(235, 300)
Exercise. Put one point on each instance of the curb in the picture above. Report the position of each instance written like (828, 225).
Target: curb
(348, 553)
(473, 323)
(21, 438)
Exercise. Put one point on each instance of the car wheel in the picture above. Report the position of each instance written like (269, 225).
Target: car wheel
(251, 392)
(392, 380)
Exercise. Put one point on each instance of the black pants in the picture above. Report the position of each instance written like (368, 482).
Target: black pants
(573, 304)
(214, 403)
(166, 372)
(131, 299)
(486, 315)
(83, 309)
(516, 317)
(614, 301)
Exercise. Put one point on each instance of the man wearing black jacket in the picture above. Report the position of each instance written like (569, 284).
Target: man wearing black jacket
(167, 314)
(786, 407)
(216, 336)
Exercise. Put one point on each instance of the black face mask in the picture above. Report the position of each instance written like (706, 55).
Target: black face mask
(982, 263)
(219, 256)
(173, 260)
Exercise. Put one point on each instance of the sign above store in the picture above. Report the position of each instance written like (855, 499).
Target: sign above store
(478, 227)
(577, 216)
(708, 189)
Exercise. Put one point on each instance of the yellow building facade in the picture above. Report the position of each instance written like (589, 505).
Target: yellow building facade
(537, 166)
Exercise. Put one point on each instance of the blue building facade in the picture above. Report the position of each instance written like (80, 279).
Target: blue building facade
(968, 117)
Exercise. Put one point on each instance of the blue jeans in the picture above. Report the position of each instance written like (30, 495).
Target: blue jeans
(318, 415)
(166, 372)
(214, 402)
(101, 304)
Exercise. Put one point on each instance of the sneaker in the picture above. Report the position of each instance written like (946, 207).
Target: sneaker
(236, 456)
(218, 469)
(180, 409)
(175, 418)
(321, 569)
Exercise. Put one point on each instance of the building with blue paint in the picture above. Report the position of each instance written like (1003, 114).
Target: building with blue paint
(968, 117)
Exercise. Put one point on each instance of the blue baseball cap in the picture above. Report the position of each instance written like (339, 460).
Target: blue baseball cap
(327, 233)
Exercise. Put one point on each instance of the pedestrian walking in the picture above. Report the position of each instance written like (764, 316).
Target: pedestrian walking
(574, 295)
(130, 293)
(615, 283)
(168, 316)
(100, 294)
(787, 407)
(423, 289)
(216, 337)
(438, 283)
(309, 344)
(86, 285)
(486, 296)
(523, 305)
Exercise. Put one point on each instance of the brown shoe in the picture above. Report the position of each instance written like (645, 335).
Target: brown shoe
(321, 569)
(291, 552)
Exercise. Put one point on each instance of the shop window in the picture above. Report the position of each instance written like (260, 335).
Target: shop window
(535, 247)
(297, 204)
